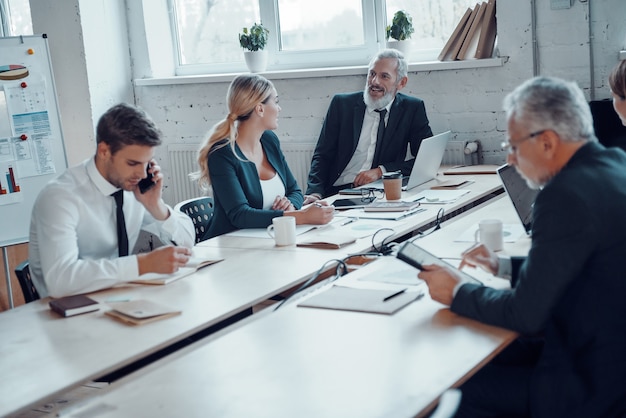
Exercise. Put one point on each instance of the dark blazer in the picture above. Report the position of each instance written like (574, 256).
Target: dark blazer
(237, 194)
(571, 288)
(407, 124)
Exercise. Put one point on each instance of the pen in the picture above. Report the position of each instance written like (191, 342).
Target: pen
(394, 295)
(174, 243)
(319, 205)
(349, 221)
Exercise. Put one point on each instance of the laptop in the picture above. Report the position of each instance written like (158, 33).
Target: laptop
(522, 196)
(427, 162)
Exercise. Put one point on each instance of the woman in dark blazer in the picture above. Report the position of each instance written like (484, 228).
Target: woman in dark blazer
(242, 161)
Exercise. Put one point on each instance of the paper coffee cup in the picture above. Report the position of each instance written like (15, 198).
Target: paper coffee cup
(392, 182)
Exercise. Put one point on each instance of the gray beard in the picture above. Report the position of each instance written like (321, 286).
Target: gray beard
(377, 103)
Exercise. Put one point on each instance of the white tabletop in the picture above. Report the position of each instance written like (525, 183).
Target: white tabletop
(452, 239)
(43, 354)
(63, 353)
(309, 362)
(482, 187)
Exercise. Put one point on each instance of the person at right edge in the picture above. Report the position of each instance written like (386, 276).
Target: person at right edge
(349, 152)
(567, 295)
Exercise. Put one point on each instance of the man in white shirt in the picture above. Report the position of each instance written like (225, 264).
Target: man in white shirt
(73, 244)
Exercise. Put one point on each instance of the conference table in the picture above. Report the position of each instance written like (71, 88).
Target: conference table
(44, 355)
(482, 189)
(311, 362)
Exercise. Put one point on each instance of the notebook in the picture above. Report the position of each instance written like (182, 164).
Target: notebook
(522, 196)
(427, 162)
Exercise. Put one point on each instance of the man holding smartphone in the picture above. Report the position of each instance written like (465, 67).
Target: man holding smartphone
(567, 298)
(85, 221)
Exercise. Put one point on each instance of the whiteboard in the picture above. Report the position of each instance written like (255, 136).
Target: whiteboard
(32, 151)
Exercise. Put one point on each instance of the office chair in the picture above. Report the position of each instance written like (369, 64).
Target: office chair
(200, 210)
(22, 272)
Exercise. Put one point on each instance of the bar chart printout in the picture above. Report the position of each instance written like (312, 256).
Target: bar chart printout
(9, 185)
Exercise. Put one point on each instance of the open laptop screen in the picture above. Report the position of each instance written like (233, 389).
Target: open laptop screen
(521, 195)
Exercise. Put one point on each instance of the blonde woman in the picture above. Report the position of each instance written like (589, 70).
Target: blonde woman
(242, 160)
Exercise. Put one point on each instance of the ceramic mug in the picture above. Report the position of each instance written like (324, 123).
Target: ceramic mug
(490, 233)
(283, 230)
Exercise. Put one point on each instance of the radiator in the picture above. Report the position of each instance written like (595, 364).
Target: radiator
(298, 156)
(182, 158)
(182, 162)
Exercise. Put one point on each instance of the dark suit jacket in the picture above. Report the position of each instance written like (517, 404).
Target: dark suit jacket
(407, 124)
(237, 194)
(571, 288)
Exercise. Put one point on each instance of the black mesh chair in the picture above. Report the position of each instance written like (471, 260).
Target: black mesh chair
(200, 210)
(22, 272)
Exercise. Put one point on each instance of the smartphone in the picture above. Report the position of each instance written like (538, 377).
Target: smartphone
(147, 183)
(417, 257)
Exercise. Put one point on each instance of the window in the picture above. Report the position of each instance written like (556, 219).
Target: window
(305, 33)
(15, 18)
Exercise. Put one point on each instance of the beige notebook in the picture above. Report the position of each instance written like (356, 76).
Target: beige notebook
(141, 311)
(327, 241)
(191, 267)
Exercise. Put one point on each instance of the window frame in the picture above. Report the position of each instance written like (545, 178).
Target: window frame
(372, 11)
(158, 66)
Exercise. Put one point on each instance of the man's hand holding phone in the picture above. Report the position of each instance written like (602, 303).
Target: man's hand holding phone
(145, 184)
(149, 195)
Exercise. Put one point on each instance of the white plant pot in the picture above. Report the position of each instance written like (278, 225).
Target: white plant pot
(256, 60)
(402, 46)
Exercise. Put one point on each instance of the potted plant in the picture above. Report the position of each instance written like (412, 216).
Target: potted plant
(400, 30)
(253, 41)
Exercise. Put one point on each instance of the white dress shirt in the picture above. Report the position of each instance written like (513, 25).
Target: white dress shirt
(73, 236)
(364, 153)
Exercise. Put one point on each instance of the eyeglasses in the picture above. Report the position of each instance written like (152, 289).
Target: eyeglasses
(369, 194)
(512, 148)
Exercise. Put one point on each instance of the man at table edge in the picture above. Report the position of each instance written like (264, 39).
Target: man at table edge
(73, 245)
(567, 297)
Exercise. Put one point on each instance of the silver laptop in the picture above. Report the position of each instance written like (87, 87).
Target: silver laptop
(521, 195)
(427, 162)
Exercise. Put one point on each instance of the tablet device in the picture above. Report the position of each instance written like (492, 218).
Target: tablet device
(417, 257)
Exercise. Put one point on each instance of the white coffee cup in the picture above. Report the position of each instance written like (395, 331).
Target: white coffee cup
(283, 230)
(490, 233)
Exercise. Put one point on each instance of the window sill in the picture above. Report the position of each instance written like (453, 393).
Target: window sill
(323, 72)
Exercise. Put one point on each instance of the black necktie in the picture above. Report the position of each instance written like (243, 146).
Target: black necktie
(379, 136)
(122, 236)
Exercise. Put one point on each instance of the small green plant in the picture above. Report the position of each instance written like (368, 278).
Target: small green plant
(401, 26)
(255, 38)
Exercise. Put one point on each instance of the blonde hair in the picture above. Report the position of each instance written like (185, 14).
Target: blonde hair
(244, 94)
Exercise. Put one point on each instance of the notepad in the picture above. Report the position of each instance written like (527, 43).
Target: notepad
(73, 305)
(193, 265)
(361, 300)
(454, 183)
(399, 206)
(327, 240)
(139, 312)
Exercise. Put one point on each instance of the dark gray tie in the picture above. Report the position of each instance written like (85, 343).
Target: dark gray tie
(379, 136)
(122, 236)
